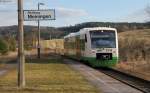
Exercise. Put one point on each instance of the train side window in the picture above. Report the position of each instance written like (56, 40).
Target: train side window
(85, 38)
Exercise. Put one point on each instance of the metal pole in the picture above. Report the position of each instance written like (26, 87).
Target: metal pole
(39, 46)
(21, 57)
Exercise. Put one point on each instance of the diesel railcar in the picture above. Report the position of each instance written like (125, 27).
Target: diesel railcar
(98, 46)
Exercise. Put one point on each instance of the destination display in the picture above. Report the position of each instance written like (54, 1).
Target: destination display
(36, 15)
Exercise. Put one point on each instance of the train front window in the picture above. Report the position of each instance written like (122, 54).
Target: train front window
(103, 39)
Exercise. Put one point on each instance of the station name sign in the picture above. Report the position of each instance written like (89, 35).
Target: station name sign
(37, 15)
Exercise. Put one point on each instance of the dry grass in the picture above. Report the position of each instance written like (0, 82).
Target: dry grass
(134, 50)
(134, 45)
(47, 76)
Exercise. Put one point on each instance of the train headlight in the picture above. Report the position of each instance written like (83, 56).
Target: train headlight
(93, 51)
(114, 52)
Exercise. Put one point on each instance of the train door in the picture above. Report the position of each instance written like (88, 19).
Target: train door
(82, 44)
(87, 45)
(78, 49)
(65, 46)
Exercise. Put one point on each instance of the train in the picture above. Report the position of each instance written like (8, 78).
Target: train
(96, 46)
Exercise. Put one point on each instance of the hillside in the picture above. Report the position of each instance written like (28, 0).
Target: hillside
(135, 43)
(9, 33)
(139, 34)
(30, 30)
(134, 52)
(121, 27)
(59, 32)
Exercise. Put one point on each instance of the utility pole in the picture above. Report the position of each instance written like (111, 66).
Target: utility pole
(21, 57)
(39, 36)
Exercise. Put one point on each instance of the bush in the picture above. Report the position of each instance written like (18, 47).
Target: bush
(3, 47)
(12, 44)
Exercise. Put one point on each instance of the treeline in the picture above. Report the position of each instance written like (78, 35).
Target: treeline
(8, 34)
(121, 27)
(53, 32)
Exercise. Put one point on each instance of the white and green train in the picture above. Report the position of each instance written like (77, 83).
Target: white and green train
(98, 46)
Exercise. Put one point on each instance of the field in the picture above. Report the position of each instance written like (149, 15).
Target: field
(134, 51)
(47, 75)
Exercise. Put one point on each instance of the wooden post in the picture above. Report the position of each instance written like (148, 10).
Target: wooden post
(21, 57)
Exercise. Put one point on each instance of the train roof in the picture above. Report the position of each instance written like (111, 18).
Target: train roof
(84, 30)
(97, 28)
(71, 35)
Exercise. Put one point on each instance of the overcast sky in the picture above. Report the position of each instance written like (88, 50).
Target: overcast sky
(70, 12)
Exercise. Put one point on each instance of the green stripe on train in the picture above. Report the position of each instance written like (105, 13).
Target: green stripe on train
(101, 63)
(97, 63)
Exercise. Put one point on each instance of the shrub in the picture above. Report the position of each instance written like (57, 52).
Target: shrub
(3, 47)
(12, 44)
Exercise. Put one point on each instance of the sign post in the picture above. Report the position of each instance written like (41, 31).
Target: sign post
(39, 15)
(39, 35)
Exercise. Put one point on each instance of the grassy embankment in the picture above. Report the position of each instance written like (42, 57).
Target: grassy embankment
(47, 76)
(134, 51)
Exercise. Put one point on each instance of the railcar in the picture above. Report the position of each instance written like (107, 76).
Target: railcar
(97, 46)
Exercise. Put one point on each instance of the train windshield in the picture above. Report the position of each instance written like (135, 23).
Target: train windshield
(103, 39)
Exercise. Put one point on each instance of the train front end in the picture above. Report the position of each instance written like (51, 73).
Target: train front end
(104, 48)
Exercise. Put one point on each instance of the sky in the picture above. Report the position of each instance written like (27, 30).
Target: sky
(71, 12)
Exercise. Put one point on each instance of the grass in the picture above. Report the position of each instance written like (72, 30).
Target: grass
(47, 76)
(134, 51)
(144, 33)
(134, 45)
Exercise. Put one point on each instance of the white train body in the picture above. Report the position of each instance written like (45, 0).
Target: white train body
(97, 45)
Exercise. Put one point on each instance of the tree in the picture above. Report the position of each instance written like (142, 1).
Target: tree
(3, 47)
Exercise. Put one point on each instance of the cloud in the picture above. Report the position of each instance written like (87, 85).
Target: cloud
(70, 13)
(137, 16)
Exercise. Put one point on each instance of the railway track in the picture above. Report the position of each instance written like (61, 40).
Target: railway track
(132, 81)
(135, 82)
